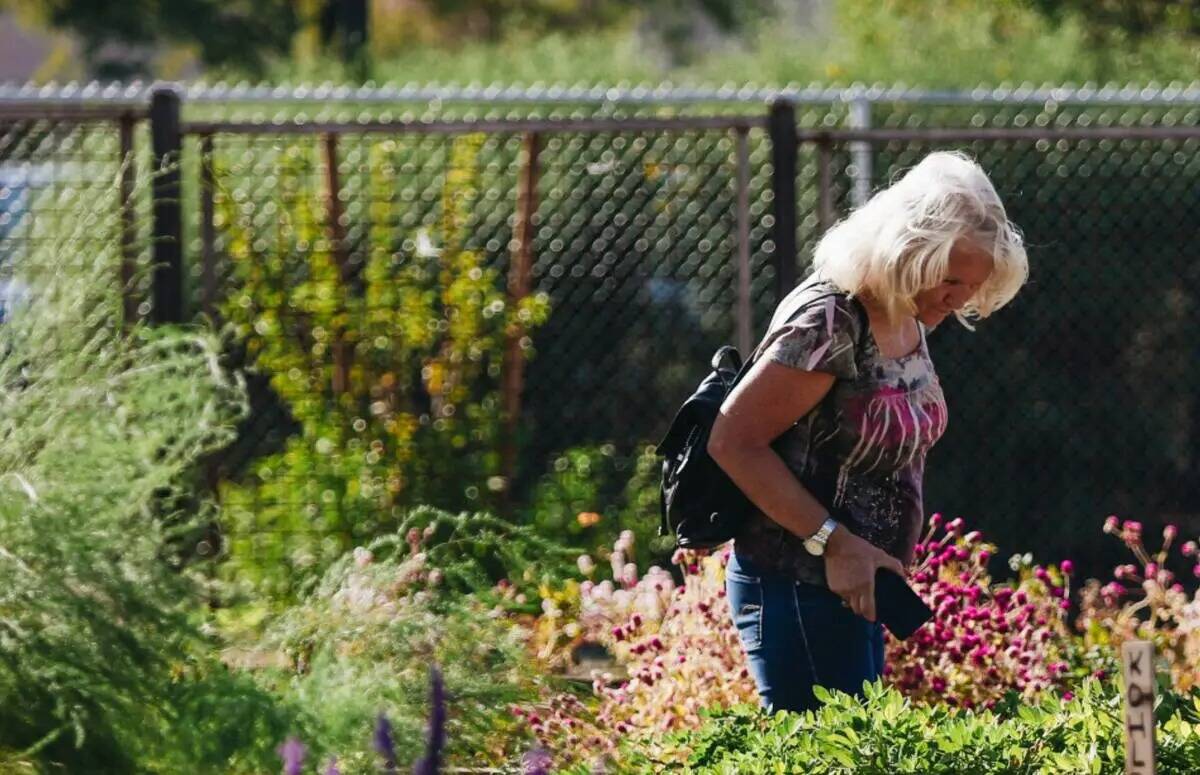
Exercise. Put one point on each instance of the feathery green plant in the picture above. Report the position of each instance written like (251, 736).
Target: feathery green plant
(101, 420)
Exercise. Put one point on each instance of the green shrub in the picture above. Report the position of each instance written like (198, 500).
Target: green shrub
(102, 666)
(590, 494)
(392, 372)
(885, 734)
(361, 643)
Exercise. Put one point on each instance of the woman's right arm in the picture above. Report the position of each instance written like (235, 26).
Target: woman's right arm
(768, 401)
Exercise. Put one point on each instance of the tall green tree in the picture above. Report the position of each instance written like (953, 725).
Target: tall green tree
(118, 38)
(1132, 19)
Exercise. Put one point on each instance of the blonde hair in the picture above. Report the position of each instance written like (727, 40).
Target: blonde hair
(898, 244)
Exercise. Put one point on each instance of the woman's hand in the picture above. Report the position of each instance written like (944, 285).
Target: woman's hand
(850, 565)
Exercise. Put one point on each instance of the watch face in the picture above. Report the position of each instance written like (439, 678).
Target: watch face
(814, 547)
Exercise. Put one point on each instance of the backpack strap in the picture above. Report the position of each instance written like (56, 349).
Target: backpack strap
(859, 310)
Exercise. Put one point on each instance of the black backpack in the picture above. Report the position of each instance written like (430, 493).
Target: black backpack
(700, 505)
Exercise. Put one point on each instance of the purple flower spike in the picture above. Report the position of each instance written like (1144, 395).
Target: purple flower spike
(536, 762)
(431, 762)
(332, 769)
(384, 745)
(292, 752)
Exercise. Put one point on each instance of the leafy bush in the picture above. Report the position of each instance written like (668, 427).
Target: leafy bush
(673, 647)
(361, 643)
(887, 734)
(1146, 602)
(676, 652)
(102, 667)
(390, 368)
(986, 639)
(591, 494)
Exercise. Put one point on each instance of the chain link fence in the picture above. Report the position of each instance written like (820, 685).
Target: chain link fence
(661, 224)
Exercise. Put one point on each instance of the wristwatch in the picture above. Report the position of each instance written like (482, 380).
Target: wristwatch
(815, 543)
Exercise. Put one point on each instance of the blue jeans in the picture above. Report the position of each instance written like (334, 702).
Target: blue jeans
(798, 635)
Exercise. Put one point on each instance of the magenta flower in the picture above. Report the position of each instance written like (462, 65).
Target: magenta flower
(1067, 567)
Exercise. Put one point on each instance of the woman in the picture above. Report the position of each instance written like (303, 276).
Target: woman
(828, 431)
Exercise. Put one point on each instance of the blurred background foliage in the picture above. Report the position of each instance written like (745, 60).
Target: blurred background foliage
(921, 42)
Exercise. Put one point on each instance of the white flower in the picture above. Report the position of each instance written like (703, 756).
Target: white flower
(425, 247)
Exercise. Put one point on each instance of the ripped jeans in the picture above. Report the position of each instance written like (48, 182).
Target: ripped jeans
(798, 635)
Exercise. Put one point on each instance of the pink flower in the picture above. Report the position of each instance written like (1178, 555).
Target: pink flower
(1189, 549)
(1067, 567)
(1068, 696)
(1111, 524)
(1169, 532)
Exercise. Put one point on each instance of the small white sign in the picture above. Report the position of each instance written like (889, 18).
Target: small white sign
(1137, 665)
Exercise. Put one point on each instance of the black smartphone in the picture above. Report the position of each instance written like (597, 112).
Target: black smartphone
(897, 607)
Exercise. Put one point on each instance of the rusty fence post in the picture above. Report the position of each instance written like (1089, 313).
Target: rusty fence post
(520, 284)
(337, 246)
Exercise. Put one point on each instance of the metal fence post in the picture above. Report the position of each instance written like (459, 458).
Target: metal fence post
(860, 152)
(785, 152)
(167, 145)
(825, 214)
(744, 312)
(208, 230)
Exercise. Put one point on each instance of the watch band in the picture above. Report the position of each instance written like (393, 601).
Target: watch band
(822, 535)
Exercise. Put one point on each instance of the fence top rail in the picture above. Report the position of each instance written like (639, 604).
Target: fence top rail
(968, 134)
(207, 129)
(138, 92)
(70, 113)
(465, 126)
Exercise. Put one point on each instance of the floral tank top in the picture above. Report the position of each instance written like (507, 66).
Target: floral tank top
(861, 450)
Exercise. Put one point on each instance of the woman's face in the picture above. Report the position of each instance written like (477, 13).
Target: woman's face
(968, 269)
